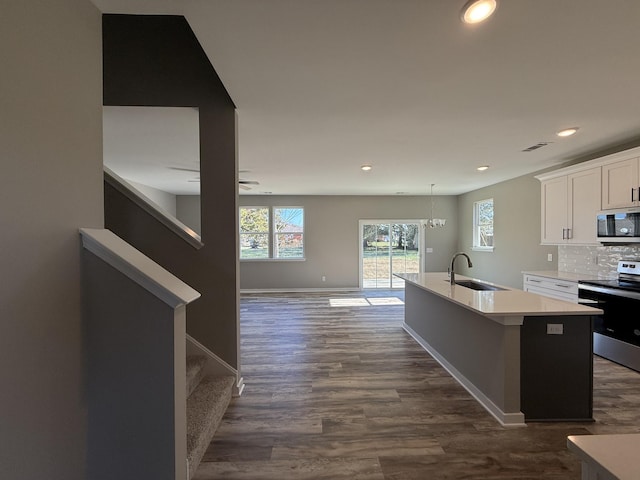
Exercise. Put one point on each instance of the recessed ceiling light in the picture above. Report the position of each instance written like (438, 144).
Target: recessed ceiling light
(482, 168)
(567, 132)
(366, 168)
(476, 11)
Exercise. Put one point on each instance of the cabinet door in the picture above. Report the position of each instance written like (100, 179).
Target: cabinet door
(618, 180)
(584, 203)
(554, 210)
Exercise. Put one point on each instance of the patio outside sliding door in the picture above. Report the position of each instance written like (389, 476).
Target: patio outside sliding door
(387, 248)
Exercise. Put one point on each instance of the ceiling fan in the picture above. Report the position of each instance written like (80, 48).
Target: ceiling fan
(243, 184)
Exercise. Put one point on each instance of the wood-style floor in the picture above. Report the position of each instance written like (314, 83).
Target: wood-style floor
(335, 389)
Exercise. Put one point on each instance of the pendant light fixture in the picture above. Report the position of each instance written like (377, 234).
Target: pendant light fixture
(434, 222)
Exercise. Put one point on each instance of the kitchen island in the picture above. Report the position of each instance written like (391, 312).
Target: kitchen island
(523, 356)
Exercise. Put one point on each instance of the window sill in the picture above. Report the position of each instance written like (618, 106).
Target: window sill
(482, 249)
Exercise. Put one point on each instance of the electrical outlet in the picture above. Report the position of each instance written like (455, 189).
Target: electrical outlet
(324, 279)
(549, 257)
(555, 328)
(429, 250)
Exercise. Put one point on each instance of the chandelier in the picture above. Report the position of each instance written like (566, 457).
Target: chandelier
(434, 222)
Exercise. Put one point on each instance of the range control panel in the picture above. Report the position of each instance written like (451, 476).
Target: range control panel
(631, 267)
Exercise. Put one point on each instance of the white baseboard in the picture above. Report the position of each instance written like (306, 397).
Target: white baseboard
(514, 419)
(299, 290)
(215, 365)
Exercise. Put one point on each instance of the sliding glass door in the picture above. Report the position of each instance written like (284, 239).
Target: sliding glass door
(387, 248)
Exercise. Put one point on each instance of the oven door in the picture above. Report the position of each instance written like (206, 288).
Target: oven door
(619, 319)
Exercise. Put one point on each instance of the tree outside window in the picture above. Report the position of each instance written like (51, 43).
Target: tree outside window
(483, 225)
(254, 232)
(289, 232)
(271, 232)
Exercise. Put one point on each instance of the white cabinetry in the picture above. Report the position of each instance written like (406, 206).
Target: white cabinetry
(551, 287)
(621, 184)
(569, 206)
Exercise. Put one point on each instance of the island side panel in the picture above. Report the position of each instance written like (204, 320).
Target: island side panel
(557, 369)
(485, 352)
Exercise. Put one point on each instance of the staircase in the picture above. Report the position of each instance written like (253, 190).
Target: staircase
(208, 397)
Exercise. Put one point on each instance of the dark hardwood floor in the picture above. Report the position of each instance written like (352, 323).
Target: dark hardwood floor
(335, 389)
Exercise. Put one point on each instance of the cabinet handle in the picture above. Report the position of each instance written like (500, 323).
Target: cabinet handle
(632, 190)
(534, 281)
(563, 286)
(569, 234)
(564, 235)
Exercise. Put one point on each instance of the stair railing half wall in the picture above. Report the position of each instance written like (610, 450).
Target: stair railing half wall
(135, 327)
(153, 209)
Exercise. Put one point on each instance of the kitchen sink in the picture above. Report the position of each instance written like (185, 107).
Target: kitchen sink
(478, 285)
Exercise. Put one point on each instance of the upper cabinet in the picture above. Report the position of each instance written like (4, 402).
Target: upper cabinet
(620, 184)
(569, 205)
(572, 196)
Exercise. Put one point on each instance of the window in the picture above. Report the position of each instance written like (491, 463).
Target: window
(288, 232)
(271, 232)
(483, 225)
(254, 232)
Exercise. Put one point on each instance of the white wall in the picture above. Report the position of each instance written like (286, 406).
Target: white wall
(164, 199)
(51, 155)
(332, 238)
(188, 211)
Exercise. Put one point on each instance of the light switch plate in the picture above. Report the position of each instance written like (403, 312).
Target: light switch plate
(549, 257)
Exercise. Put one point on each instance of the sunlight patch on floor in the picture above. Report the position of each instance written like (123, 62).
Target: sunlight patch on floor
(364, 302)
(385, 301)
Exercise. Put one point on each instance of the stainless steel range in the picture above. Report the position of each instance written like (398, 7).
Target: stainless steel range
(617, 331)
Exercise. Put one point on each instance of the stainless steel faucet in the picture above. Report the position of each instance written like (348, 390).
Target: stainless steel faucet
(451, 272)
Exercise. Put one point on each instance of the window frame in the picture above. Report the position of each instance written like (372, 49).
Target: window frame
(273, 234)
(476, 244)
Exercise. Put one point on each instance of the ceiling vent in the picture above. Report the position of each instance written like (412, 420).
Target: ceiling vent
(536, 146)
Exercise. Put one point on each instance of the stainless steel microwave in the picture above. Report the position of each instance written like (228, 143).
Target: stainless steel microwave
(619, 226)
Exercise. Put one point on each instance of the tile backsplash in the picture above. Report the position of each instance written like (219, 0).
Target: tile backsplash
(598, 261)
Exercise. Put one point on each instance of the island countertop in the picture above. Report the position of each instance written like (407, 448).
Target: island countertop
(502, 303)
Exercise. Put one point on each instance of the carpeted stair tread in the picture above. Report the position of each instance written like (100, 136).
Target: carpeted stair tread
(205, 408)
(195, 371)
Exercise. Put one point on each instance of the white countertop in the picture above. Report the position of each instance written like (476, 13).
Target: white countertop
(614, 454)
(558, 275)
(505, 303)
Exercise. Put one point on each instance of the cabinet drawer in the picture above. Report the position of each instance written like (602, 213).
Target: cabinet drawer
(551, 287)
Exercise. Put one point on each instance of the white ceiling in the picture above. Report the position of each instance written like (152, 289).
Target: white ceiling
(324, 86)
(155, 146)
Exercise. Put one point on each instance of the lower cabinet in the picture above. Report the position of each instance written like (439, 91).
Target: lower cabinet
(556, 371)
(551, 287)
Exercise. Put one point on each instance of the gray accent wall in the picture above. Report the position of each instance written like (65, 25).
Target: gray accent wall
(156, 60)
(50, 186)
(332, 238)
(516, 205)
